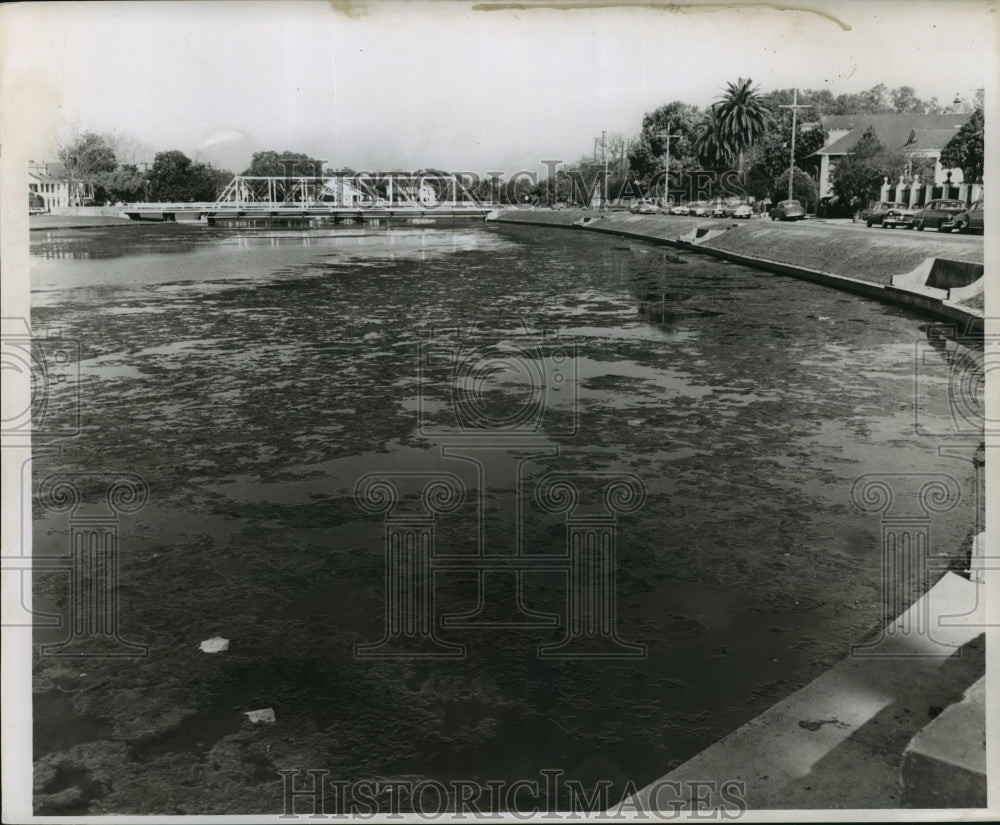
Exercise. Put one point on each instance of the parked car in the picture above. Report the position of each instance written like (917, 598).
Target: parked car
(971, 220)
(700, 209)
(788, 211)
(888, 214)
(643, 208)
(680, 209)
(899, 218)
(939, 213)
(721, 209)
(744, 210)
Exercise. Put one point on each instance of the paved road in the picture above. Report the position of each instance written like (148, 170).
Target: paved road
(952, 237)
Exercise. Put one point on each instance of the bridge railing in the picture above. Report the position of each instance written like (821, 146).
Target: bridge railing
(281, 206)
(166, 206)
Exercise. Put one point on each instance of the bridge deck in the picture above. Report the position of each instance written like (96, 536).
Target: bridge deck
(276, 209)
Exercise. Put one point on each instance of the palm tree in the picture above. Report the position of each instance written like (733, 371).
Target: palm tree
(710, 146)
(740, 117)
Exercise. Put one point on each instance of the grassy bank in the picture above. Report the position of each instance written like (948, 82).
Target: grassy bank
(875, 256)
(840, 250)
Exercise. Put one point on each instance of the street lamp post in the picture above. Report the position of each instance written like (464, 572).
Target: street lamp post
(795, 106)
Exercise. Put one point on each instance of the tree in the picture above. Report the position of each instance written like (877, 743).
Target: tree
(124, 183)
(169, 177)
(82, 157)
(804, 189)
(740, 118)
(646, 153)
(965, 150)
(875, 98)
(210, 181)
(860, 175)
(175, 177)
(711, 147)
(771, 156)
(129, 150)
(273, 164)
(905, 100)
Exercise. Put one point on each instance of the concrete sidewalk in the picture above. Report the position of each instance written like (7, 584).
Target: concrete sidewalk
(839, 741)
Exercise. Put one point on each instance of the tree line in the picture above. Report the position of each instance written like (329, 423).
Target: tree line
(750, 132)
(743, 130)
(111, 164)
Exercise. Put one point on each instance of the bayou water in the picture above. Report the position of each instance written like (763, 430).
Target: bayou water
(252, 380)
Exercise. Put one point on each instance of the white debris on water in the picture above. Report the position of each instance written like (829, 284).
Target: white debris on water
(635, 422)
(214, 645)
(371, 336)
(264, 716)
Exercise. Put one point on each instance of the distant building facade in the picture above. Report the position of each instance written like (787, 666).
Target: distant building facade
(50, 182)
(921, 138)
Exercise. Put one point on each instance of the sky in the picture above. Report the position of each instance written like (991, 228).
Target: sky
(456, 85)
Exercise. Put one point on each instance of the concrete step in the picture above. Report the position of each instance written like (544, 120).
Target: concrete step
(839, 741)
(944, 766)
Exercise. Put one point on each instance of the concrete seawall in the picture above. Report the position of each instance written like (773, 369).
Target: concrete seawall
(840, 257)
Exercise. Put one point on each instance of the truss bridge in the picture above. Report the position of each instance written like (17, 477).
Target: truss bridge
(249, 199)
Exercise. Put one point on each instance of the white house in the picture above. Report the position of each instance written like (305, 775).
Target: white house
(50, 182)
(916, 136)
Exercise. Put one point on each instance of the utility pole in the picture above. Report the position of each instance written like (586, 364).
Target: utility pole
(666, 161)
(604, 154)
(795, 106)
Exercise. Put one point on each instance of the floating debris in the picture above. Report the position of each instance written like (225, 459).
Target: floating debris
(264, 716)
(214, 645)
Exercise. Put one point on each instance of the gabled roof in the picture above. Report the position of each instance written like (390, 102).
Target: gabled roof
(49, 171)
(909, 133)
(928, 140)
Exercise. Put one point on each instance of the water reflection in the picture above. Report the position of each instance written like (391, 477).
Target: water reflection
(254, 378)
(182, 238)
